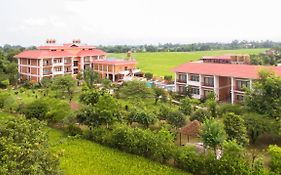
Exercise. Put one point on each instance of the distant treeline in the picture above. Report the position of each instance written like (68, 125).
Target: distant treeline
(169, 47)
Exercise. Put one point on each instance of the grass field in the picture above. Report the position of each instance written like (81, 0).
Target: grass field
(162, 63)
(87, 158)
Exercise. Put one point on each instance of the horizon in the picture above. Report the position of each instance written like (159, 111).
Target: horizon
(138, 22)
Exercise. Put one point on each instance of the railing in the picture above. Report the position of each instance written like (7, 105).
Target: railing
(181, 81)
(47, 72)
(207, 84)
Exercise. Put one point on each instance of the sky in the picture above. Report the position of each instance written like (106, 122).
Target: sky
(132, 22)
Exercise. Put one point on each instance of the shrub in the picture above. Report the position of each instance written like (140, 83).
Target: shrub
(142, 117)
(189, 160)
(176, 118)
(36, 109)
(73, 130)
(234, 108)
(200, 115)
(275, 162)
(148, 75)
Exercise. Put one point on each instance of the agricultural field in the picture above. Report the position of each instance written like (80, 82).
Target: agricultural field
(80, 156)
(162, 63)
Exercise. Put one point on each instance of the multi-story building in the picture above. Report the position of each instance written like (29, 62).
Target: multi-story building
(53, 60)
(225, 80)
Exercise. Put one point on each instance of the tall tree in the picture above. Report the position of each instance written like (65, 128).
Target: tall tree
(235, 128)
(265, 95)
(213, 134)
(64, 86)
(90, 77)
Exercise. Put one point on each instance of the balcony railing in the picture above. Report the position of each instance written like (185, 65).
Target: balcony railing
(240, 88)
(49, 64)
(181, 81)
(47, 72)
(207, 84)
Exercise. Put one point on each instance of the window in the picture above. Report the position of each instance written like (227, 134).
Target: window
(126, 68)
(28, 62)
(28, 70)
(182, 77)
(57, 60)
(75, 71)
(195, 91)
(209, 81)
(194, 77)
(46, 62)
(67, 60)
(75, 63)
(243, 83)
(181, 89)
(57, 69)
(86, 59)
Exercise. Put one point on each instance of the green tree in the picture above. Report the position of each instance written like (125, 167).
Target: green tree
(265, 96)
(64, 86)
(160, 93)
(90, 97)
(176, 118)
(135, 90)
(235, 128)
(212, 104)
(36, 109)
(142, 117)
(91, 77)
(213, 134)
(105, 112)
(257, 125)
(200, 115)
(186, 106)
(24, 148)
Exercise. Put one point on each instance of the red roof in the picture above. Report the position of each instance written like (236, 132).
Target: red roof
(226, 70)
(38, 54)
(94, 52)
(115, 62)
(66, 46)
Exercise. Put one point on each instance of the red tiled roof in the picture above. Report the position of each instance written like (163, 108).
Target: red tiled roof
(94, 52)
(66, 46)
(227, 70)
(115, 62)
(37, 54)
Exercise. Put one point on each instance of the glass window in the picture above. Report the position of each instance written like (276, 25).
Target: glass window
(194, 77)
(209, 81)
(195, 91)
(75, 63)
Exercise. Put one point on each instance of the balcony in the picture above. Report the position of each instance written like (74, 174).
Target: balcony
(240, 88)
(47, 65)
(47, 72)
(181, 81)
(207, 84)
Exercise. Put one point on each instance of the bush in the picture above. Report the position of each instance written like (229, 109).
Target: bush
(24, 148)
(275, 162)
(148, 75)
(142, 117)
(227, 108)
(73, 130)
(189, 160)
(176, 118)
(36, 109)
(200, 115)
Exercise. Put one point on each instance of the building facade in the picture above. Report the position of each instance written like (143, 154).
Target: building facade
(227, 81)
(53, 60)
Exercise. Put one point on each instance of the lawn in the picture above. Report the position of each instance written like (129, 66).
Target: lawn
(84, 157)
(162, 63)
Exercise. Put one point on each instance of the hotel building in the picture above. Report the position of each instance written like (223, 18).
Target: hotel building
(53, 60)
(225, 80)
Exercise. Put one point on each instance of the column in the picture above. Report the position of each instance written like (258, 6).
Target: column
(200, 85)
(82, 64)
(107, 75)
(216, 87)
(52, 67)
(232, 90)
(62, 65)
(72, 62)
(251, 84)
(176, 89)
(41, 69)
(113, 75)
(19, 69)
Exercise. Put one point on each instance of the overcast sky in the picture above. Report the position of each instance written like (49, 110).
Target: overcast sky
(31, 22)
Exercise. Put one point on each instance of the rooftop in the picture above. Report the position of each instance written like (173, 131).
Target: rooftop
(226, 70)
(115, 61)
